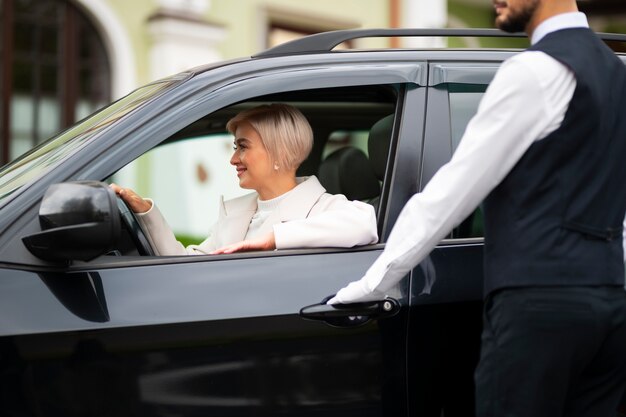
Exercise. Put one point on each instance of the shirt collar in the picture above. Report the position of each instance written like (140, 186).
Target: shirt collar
(558, 22)
(269, 205)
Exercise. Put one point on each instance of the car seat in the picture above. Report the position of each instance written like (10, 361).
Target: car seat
(347, 171)
(378, 144)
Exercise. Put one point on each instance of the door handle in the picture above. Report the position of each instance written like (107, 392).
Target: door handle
(350, 315)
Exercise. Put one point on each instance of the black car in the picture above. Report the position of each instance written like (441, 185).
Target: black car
(93, 324)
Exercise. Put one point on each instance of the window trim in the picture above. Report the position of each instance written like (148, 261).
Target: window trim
(438, 140)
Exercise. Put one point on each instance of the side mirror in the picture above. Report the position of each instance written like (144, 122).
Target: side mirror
(79, 221)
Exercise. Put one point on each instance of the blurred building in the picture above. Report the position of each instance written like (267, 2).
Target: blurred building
(63, 59)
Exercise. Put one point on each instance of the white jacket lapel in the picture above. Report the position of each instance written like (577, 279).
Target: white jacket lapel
(234, 219)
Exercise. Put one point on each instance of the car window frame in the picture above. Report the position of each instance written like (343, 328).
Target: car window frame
(202, 93)
(438, 143)
(381, 218)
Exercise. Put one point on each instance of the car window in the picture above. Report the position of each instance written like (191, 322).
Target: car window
(464, 100)
(44, 157)
(343, 138)
(186, 179)
(188, 173)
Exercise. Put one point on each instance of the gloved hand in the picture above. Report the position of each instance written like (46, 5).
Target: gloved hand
(355, 292)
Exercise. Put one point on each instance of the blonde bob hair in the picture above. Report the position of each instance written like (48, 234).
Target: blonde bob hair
(285, 132)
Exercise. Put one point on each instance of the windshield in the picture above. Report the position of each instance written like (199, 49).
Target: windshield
(42, 158)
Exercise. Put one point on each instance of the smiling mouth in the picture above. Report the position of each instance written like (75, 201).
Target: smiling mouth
(240, 170)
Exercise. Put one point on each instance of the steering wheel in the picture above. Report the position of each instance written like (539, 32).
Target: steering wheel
(134, 229)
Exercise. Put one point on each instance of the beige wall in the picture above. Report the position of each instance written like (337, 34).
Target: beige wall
(244, 23)
(132, 15)
(248, 20)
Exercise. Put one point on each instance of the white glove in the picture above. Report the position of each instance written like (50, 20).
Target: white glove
(355, 292)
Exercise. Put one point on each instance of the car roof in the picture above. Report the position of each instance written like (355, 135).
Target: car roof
(325, 42)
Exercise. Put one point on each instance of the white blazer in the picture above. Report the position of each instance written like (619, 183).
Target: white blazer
(307, 217)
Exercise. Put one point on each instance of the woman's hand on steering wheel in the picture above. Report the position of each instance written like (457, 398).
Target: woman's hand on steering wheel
(133, 200)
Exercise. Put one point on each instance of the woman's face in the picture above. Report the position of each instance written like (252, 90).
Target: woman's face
(254, 165)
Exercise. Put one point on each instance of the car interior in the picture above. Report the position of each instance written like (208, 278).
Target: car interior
(352, 129)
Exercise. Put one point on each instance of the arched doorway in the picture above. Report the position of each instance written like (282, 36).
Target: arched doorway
(55, 71)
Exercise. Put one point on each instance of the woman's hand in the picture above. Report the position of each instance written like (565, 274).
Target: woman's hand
(132, 199)
(266, 242)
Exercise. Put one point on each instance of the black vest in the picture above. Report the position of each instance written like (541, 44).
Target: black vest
(556, 219)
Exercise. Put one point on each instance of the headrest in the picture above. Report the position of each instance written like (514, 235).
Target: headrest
(378, 145)
(347, 171)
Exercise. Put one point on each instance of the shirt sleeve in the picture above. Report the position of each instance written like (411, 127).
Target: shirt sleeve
(163, 240)
(526, 100)
(336, 222)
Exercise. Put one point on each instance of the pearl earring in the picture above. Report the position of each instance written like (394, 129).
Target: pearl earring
(276, 167)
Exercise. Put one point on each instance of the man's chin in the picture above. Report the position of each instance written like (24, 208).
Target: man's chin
(509, 27)
(513, 21)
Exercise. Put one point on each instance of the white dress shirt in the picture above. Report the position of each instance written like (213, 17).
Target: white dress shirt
(526, 101)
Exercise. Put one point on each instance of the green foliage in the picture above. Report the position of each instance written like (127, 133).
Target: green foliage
(479, 16)
(187, 240)
(615, 27)
(473, 15)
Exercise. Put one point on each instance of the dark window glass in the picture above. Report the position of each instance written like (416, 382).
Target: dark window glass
(464, 100)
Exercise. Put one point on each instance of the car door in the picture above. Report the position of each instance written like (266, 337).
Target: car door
(446, 288)
(205, 335)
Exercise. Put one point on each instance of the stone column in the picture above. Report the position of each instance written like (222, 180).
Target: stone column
(181, 37)
(179, 179)
(426, 14)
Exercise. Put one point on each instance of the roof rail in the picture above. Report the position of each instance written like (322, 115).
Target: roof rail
(326, 41)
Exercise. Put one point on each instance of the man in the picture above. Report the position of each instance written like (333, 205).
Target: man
(546, 152)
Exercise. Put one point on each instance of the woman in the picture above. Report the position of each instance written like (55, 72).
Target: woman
(284, 212)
